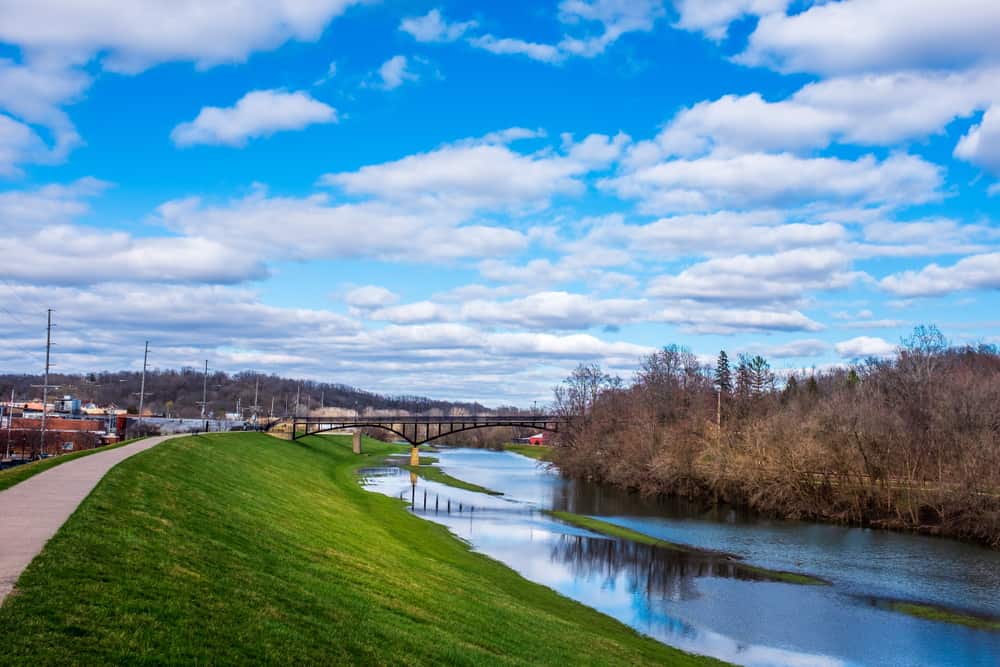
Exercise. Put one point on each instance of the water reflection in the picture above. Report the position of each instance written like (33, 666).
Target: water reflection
(705, 602)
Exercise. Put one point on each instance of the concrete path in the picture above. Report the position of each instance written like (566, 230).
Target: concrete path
(31, 512)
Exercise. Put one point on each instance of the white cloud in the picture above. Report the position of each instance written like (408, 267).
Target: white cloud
(981, 144)
(33, 93)
(72, 255)
(479, 174)
(877, 35)
(394, 72)
(615, 18)
(312, 227)
(432, 27)
(763, 180)
(864, 346)
(757, 278)
(713, 17)
(132, 35)
(259, 113)
(509, 46)
(370, 296)
(611, 18)
(798, 348)
(23, 210)
(694, 317)
(882, 109)
(969, 273)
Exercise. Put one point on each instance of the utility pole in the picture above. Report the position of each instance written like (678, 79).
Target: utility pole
(298, 392)
(45, 386)
(272, 407)
(10, 421)
(142, 385)
(204, 395)
(255, 407)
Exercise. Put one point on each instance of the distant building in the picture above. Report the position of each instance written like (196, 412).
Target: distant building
(539, 439)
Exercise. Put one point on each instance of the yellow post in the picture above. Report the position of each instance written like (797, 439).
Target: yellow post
(414, 456)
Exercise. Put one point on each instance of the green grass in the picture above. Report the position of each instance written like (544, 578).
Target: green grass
(435, 474)
(244, 548)
(18, 474)
(934, 613)
(614, 530)
(538, 452)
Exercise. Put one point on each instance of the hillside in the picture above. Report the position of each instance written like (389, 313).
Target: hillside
(178, 393)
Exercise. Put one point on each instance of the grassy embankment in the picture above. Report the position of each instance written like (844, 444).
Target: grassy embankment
(432, 473)
(935, 613)
(247, 549)
(538, 452)
(614, 530)
(17, 474)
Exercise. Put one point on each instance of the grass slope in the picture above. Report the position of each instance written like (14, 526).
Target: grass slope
(614, 530)
(18, 474)
(434, 474)
(538, 452)
(246, 549)
(943, 615)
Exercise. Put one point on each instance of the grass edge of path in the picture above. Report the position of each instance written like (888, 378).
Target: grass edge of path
(17, 474)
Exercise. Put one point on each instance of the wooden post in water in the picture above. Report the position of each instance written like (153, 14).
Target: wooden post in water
(357, 441)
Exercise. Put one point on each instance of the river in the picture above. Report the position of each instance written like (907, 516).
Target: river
(698, 602)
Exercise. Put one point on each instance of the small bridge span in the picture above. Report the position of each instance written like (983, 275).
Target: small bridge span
(416, 430)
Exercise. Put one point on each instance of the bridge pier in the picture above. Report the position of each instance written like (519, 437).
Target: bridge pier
(357, 441)
(414, 456)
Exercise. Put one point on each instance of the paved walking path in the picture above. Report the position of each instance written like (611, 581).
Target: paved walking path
(31, 512)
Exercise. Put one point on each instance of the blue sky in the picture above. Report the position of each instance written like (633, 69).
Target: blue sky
(466, 199)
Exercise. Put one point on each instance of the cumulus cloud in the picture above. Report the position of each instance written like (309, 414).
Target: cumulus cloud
(877, 35)
(864, 346)
(259, 113)
(969, 273)
(480, 174)
(590, 27)
(870, 109)
(712, 17)
(132, 35)
(757, 278)
(798, 348)
(394, 72)
(981, 144)
(763, 180)
(312, 227)
(370, 296)
(511, 46)
(433, 27)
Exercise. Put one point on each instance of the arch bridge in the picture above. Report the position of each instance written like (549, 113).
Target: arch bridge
(419, 430)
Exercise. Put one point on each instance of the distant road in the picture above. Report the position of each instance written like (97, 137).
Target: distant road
(31, 512)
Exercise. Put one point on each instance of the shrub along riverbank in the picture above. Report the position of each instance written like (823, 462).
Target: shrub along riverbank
(235, 549)
(907, 442)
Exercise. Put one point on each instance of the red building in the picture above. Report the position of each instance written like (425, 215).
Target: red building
(539, 439)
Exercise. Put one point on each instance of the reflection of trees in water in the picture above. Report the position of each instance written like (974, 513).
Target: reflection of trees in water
(583, 497)
(660, 572)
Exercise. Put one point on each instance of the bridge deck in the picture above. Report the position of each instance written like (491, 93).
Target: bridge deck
(420, 429)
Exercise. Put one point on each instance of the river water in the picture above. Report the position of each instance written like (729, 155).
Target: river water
(702, 603)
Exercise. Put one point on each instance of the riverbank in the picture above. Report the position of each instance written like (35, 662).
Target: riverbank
(750, 571)
(245, 548)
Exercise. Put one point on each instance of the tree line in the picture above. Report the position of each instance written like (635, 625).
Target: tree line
(909, 442)
(178, 393)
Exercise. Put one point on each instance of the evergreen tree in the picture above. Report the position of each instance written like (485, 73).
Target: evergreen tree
(723, 375)
(761, 377)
